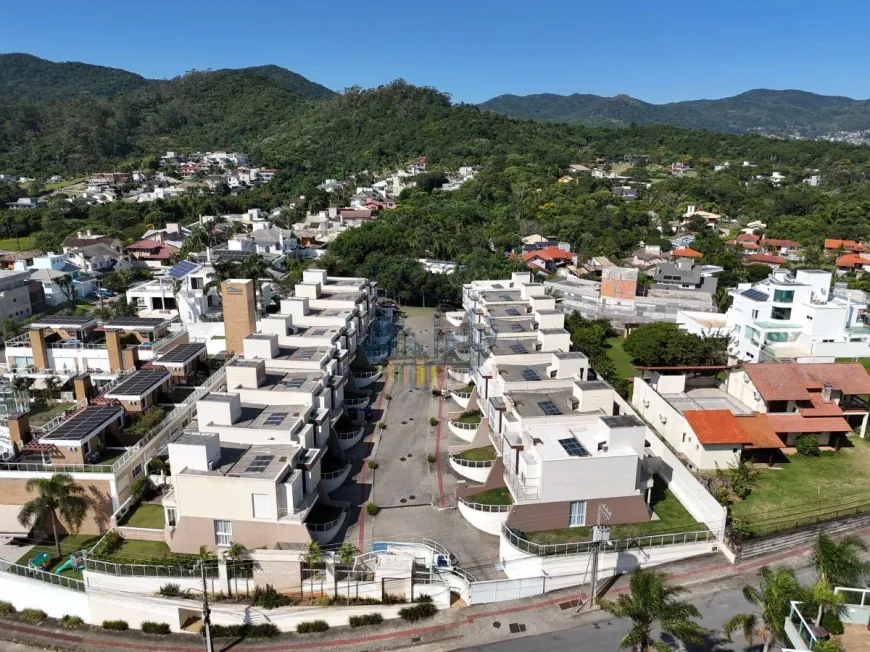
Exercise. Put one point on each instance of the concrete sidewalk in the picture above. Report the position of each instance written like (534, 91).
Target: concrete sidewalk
(450, 629)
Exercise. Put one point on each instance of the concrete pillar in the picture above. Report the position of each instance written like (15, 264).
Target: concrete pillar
(83, 388)
(130, 358)
(113, 344)
(19, 429)
(40, 349)
(240, 313)
(864, 425)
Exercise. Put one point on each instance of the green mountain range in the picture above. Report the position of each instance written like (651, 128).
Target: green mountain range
(780, 113)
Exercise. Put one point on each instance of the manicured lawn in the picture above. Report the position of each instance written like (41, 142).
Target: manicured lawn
(865, 362)
(142, 550)
(500, 496)
(673, 518)
(110, 455)
(807, 489)
(624, 366)
(12, 244)
(68, 545)
(149, 516)
(467, 389)
(46, 413)
(478, 454)
(473, 417)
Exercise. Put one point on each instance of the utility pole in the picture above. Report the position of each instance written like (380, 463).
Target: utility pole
(206, 612)
(600, 539)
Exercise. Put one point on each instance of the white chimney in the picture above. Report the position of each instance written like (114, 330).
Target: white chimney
(690, 211)
(208, 254)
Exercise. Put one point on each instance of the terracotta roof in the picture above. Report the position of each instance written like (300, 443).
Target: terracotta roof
(686, 252)
(818, 408)
(747, 237)
(548, 253)
(852, 260)
(776, 242)
(792, 381)
(785, 423)
(766, 259)
(749, 246)
(145, 244)
(848, 245)
(716, 427)
(759, 430)
(12, 256)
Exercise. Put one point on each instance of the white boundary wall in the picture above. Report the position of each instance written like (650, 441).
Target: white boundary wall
(56, 601)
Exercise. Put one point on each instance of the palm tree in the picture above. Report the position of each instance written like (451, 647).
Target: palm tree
(223, 270)
(652, 602)
(254, 268)
(347, 553)
(57, 498)
(313, 557)
(838, 562)
(772, 597)
(235, 552)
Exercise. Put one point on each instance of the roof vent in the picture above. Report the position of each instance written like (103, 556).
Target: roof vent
(827, 390)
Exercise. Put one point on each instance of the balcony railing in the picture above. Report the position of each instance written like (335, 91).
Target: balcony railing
(301, 510)
(472, 464)
(332, 475)
(19, 340)
(459, 425)
(347, 434)
(480, 507)
(617, 545)
(324, 527)
(520, 490)
(355, 402)
(362, 375)
(94, 346)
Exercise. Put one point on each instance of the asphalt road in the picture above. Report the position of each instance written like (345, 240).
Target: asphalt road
(716, 606)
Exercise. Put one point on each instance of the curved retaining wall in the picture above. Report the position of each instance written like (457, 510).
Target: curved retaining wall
(489, 522)
(333, 483)
(465, 434)
(477, 474)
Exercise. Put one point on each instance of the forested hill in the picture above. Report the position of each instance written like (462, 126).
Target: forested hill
(315, 139)
(26, 77)
(23, 76)
(781, 113)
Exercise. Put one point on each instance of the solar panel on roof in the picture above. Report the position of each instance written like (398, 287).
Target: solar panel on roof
(181, 353)
(549, 408)
(497, 286)
(294, 383)
(505, 297)
(319, 331)
(259, 463)
(530, 374)
(84, 423)
(306, 355)
(182, 269)
(276, 418)
(517, 328)
(518, 348)
(136, 321)
(139, 382)
(573, 447)
(755, 295)
(513, 312)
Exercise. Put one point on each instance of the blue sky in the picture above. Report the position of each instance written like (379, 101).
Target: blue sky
(658, 51)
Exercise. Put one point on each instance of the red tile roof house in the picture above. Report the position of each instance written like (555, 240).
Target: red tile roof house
(850, 246)
(853, 263)
(827, 400)
(779, 247)
(547, 259)
(152, 252)
(765, 259)
(686, 252)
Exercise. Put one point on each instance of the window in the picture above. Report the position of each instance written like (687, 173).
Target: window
(223, 533)
(755, 314)
(780, 313)
(578, 514)
(137, 470)
(171, 517)
(684, 437)
(260, 505)
(783, 296)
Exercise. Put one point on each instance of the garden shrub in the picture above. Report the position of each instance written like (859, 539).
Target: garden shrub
(149, 627)
(170, 590)
(72, 622)
(433, 421)
(6, 608)
(832, 623)
(366, 619)
(32, 616)
(116, 625)
(392, 598)
(372, 509)
(312, 626)
(807, 445)
(418, 611)
(267, 597)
